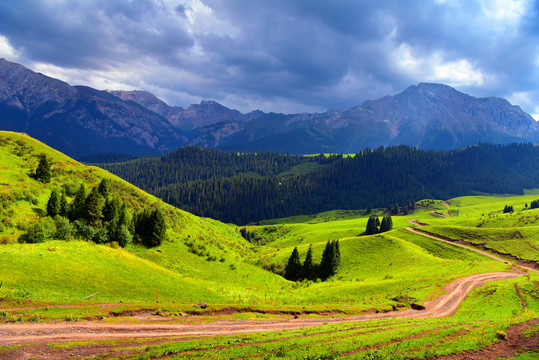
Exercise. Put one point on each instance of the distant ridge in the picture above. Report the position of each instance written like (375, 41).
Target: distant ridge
(427, 116)
(79, 120)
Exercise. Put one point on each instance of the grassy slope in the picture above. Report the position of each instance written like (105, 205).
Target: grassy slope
(378, 267)
(481, 221)
(115, 273)
(373, 270)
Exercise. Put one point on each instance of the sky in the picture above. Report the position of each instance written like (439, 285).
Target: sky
(286, 56)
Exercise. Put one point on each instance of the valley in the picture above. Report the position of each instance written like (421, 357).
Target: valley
(206, 291)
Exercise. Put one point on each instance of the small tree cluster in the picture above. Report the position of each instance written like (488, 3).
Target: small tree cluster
(97, 216)
(374, 226)
(534, 204)
(404, 210)
(508, 209)
(150, 227)
(251, 236)
(331, 259)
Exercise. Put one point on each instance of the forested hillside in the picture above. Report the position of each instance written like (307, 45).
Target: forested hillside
(248, 187)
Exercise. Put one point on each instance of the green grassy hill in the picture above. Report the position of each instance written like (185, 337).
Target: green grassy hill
(205, 260)
(202, 260)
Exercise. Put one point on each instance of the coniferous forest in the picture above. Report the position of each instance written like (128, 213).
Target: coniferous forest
(247, 187)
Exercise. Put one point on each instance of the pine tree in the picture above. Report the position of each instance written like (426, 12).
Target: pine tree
(103, 188)
(337, 257)
(80, 198)
(43, 171)
(373, 225)
(308, 269)
(327, 264)
(111, 209)
(54, 205)
(64, 206)
(93, 206)
(293, 268)
(158, 228)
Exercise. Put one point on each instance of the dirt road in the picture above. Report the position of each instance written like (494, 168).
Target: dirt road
(470, 248)
(42, 333)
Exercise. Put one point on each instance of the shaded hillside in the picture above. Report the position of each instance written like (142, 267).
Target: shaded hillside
(242, 188)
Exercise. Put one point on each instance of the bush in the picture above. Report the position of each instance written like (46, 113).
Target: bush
(82, 230)
(39, 232)
(123, 236)
(8, 239)
(101, 236)
(71, 189)
(63, 228)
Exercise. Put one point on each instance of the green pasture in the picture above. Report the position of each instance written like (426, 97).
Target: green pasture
(475, 325)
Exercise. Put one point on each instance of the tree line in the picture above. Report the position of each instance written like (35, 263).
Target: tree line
(242, 188)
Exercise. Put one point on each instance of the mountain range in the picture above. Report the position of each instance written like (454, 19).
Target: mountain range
(79, 120)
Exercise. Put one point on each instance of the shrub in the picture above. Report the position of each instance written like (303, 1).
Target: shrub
(501, 335)
(101, 236)
(123, 236)
(39, 232)
(8, 239)
(63, 228)
(82, 230)
(71, 189)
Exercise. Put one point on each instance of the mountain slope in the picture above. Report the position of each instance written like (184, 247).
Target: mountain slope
(427, 116)
(79, 120)
(199, 254)
(83, 121)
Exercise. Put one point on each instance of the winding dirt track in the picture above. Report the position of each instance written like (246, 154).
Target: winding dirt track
(42, 333)
(465, 247)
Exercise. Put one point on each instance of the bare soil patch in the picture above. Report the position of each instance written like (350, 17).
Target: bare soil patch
(516, 343)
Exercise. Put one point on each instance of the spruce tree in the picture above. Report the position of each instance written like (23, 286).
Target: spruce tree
(54, 205)
(308, 269)
(158, 228)
(80, 198)
(64, 206)
(43, 171)
(337, 257)
(373, 225)
(292, 270)
(111, 209)
(103, 188)
(93, 206)
(384, 226)
(328, 260)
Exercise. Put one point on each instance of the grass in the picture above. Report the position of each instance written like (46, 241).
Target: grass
(474, 325)
(204, 260)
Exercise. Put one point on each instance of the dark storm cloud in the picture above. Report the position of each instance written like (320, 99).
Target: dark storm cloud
(91, 34)
(317, 54)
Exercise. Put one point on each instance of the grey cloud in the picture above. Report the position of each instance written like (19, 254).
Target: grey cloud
(90, 34)
(301, 50)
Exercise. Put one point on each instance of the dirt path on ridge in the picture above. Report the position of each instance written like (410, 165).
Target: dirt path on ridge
(469, 248)
(43, 333)
(417, 223)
